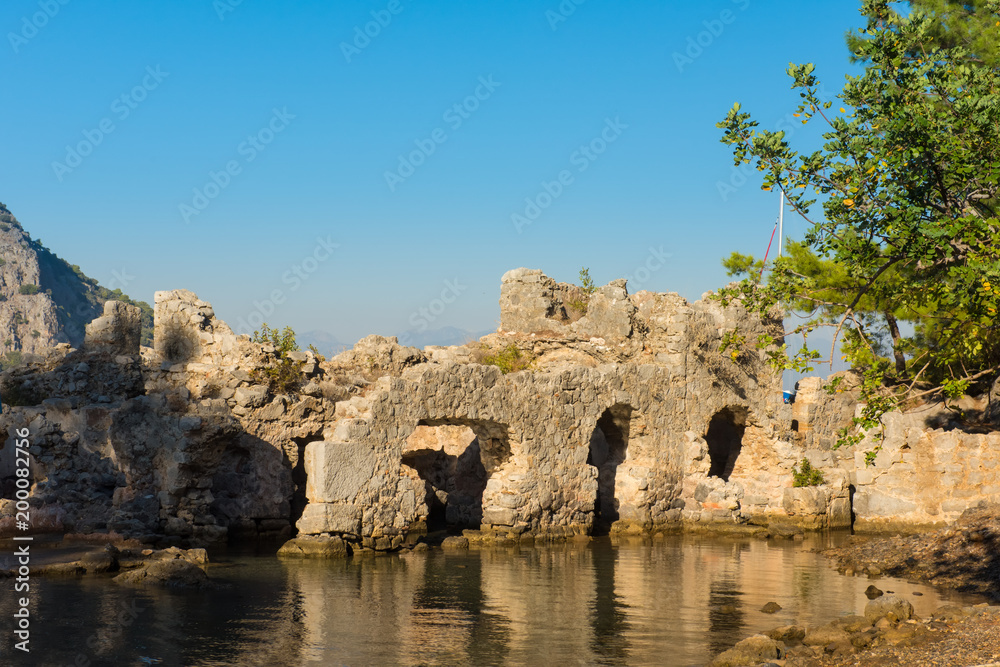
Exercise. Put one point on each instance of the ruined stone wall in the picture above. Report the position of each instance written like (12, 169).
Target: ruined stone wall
(627, 417)
(604, 427)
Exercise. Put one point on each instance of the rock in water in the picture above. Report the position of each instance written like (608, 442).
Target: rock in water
(178, 573)
(872, 592)
(310, 546)
(771, 607)
(455, 542)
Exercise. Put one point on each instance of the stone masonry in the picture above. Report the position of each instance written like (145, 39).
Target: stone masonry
(621, 415)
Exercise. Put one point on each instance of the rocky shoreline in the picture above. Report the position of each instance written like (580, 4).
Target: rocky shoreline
(961, 557)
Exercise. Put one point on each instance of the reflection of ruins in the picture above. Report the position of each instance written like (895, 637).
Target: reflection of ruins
(601, 603)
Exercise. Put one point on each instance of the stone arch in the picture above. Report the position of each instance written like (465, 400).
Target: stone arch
(725, 440)
(455, 459)
(608, 450)
(252, 489)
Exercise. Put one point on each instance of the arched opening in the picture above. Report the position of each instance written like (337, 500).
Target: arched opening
(725, 439)
(608, 445)
(455, 458)
(253, 491)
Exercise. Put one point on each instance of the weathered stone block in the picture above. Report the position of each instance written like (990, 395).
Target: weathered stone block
(337, 471)
(329, 518)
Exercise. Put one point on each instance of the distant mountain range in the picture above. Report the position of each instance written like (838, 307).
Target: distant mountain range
(329, 345)
(443, 336)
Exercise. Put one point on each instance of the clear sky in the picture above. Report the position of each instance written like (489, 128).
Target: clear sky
(273, 156)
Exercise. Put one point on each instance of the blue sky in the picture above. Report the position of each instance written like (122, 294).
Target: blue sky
(241, 150)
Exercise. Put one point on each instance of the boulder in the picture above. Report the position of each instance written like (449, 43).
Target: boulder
(314, 546)
(826, 635)
(751, 651)
(455, 542)
(882, 607)
(175, 573)
(788, 634)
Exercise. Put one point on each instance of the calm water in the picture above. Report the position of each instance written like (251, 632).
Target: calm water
(670, 601)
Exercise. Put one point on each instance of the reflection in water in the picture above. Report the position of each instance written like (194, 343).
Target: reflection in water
(668, 601)
(608, 613)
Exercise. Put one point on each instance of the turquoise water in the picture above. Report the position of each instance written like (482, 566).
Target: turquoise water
(670, 601)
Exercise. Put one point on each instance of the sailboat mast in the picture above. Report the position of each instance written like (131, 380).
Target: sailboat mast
(781, 219)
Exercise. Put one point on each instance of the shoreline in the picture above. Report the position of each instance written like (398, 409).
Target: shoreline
(961, 558)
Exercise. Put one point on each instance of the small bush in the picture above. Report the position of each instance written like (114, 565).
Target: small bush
(509, 360)
(588, 287)
(28, 289)
(808, 476)
(285, 377)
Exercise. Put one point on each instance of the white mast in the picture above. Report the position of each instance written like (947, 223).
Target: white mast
(781, 219)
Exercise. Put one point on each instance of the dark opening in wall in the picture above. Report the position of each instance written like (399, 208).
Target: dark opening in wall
(608, 448)
(851, 490)
(725, 439)
(455, 458)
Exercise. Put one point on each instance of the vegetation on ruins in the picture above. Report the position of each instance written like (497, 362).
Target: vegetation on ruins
(908, 233)
(509, 359)
(807, 476)
(285, 375)
(588, 287)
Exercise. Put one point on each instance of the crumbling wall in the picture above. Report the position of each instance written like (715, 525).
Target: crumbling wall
(641, 374)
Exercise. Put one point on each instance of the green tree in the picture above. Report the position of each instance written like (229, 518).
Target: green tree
(908, 182)
(970, 24)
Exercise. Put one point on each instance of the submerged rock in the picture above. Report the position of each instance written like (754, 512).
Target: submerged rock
(178, 573)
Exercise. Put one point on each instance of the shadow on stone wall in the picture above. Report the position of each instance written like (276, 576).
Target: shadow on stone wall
(608, 449)
(725, 440)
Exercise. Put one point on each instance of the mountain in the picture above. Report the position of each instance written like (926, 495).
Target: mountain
(444, 336)
(43, 299)
(324, 341)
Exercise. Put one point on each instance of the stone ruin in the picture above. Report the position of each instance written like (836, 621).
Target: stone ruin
(627, 418)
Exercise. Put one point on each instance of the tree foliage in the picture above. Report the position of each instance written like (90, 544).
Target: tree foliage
(907, 182)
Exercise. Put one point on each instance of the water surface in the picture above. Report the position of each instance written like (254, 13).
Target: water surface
(674, 600)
